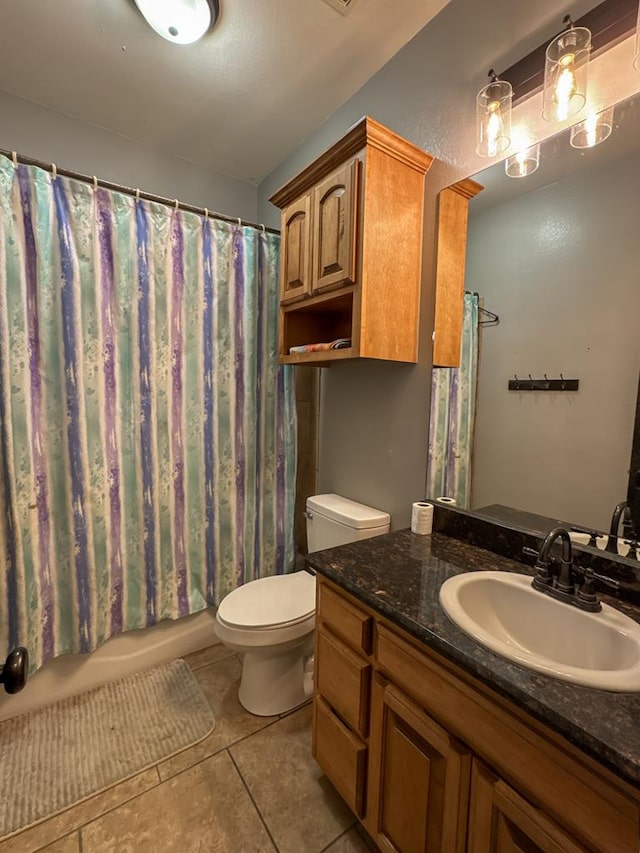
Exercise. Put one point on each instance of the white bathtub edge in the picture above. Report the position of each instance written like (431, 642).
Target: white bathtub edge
(122, 655)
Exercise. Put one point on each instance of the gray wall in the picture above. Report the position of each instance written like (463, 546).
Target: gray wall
(561, 266)
(374, 417)
(36, 131)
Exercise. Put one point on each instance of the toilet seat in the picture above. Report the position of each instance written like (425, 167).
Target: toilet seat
(271, 603)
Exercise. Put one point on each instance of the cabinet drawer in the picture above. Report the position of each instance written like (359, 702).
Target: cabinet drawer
(343, 679)
(345, 619)
(341, 754)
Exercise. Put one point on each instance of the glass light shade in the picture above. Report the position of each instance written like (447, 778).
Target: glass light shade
(593, 130)
(523, 163)
(179, 21)
(493, 118)
(566, 70)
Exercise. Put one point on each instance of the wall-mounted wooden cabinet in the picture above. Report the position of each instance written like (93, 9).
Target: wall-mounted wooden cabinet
(351, 252)
(430, 760)
(453, 208)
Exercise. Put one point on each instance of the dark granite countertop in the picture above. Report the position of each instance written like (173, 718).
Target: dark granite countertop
(399, 575)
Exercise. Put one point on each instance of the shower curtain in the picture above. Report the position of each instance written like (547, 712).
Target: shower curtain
(147, 434)
(453, 404)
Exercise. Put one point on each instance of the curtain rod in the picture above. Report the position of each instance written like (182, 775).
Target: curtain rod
(133, 191)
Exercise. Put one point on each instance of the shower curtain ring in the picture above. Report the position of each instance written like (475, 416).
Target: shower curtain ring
(54, 170)
(262, 228)
(206, 213)
(137, 194)
(176, 204)
(14, 157)
(95, 183)
(239, 222)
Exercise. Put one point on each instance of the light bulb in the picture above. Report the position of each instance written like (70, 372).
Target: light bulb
(565, 87)
(494, 128)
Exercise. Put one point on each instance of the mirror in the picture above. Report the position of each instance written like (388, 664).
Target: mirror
(556, 255)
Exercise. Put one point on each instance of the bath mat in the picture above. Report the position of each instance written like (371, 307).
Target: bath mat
(57, 756)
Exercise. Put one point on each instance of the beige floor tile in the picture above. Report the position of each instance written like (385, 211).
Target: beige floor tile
(54, 828)
(70, 844)
(299, 805)
(204, 809)
(350, 842)
(219, 682)
(212, 654)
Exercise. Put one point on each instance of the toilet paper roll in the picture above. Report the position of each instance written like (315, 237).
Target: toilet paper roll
(444, 500)
(421, 517)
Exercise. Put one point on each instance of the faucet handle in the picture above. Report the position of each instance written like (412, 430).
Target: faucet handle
(593, 535)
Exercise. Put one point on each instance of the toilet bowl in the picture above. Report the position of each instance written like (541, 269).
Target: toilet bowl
(270, 621)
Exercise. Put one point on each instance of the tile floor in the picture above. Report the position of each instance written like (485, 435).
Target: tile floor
(251, 786)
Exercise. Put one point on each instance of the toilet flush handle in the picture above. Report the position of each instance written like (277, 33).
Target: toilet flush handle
(308, 514)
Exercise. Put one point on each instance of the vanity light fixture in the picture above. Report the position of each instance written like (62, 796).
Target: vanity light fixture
(180, 21)
(565, 72)
(524, 163)
(493, 117)
(593, 130)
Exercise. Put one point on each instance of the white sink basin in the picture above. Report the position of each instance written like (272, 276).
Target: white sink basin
(504, 613)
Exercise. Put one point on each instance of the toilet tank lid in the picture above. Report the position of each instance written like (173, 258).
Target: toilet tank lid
(347, 512)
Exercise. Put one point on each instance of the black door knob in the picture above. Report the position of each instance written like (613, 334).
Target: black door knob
(14, 672)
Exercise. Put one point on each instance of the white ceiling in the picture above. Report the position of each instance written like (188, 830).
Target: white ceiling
(238, 102)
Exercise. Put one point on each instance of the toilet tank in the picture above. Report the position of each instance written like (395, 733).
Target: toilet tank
(333, 520)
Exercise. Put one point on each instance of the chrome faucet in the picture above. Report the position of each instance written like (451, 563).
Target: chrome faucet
(556, 577)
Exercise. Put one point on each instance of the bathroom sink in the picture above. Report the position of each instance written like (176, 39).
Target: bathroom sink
(504, 613)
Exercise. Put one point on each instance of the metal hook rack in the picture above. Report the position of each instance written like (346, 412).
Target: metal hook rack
(545, 384)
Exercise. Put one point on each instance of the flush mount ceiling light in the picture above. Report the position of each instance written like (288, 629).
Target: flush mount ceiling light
(593, 130)
(180, 21)
(565, 72)
(493, 117)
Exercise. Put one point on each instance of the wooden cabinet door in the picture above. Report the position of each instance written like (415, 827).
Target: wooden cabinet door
(501, 821)
(418, 778)
(295, 264)
(334, 228)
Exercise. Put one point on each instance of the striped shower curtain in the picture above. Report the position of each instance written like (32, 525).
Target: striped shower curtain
(453, 406)
(147, 434)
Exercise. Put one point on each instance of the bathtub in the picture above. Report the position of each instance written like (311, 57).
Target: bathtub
(122, 655)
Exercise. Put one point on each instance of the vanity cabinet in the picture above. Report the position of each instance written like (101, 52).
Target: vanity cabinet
(432, 760)
(351, 253)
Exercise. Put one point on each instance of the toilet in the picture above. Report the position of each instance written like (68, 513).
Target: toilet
(271, 621)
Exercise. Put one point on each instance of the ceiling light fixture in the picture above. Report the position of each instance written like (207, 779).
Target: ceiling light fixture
(593, 130)
(493, 117)
(180, 21)
(565, 72)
